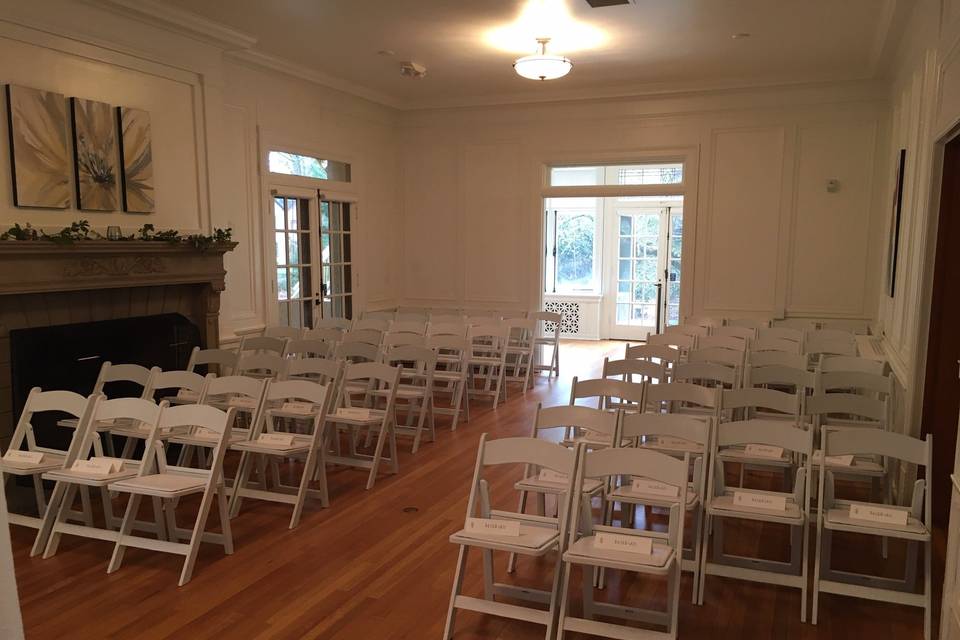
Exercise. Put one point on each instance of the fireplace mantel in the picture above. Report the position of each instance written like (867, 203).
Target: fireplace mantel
(41, 266)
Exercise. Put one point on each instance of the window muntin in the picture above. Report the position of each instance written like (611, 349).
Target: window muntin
(294, 164)
(651, 173)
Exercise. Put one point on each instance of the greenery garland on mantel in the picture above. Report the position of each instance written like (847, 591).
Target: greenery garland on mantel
(79, 231)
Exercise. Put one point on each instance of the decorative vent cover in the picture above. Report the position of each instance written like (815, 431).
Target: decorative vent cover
(569, 314)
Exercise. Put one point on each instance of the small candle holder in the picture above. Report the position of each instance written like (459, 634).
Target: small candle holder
(113, 233)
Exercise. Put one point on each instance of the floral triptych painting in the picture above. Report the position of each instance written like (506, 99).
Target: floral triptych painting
(112, 153)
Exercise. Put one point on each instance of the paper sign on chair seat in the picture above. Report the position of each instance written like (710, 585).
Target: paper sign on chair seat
(353, 413)
(17, 456)
(874, 513)
(305, 408)
(619, 542)
(276, 439)
(654, 488)
(759, 501)
(673, 442)
(242, 403)
(98, 466)
(187, 394)
(549, 475)
(763, 451)
(505, 528)
(841, 461)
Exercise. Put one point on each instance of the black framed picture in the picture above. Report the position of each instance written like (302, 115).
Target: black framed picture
(894, 245)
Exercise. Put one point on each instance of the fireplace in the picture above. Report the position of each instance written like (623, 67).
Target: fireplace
(50, 291)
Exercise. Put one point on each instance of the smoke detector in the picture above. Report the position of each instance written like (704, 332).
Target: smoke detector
(412, 69)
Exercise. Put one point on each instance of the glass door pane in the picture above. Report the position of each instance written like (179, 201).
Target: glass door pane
(336, 259)
(295, 269)
(675, 215)
(637, 268)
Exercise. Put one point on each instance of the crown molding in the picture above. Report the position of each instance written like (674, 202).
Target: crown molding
(282, 65)
(184, 22)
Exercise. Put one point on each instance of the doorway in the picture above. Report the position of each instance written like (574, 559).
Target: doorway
(941, 395)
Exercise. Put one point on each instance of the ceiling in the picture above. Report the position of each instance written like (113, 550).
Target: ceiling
(645, 46)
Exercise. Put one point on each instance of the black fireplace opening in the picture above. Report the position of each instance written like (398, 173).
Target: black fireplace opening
(69, 357)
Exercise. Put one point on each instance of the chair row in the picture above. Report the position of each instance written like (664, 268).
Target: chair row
(859, 327)
(582, 473)
(812, 343)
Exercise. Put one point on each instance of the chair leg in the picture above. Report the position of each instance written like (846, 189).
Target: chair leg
(804, 560)
(302, 489)
(703, 557)
(242, 478)
(196, 536)
(927, 593)
(421, 420)
(564, 598)
(587, 581)
(85, 505)
(554, 596)
(128, 518)
(48, 538)
(512, 559)
(377, 455)
(225, 527)
(457, 584)
(817, 559)
(487, 556)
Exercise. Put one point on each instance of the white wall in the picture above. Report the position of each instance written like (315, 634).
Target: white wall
(209, 114)
(472, 196)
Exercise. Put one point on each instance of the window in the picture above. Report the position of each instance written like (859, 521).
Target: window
(293, 164)
(336, 287)
(573, 245)
(631, 174)
(294, 265)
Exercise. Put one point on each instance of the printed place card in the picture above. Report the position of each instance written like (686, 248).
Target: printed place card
(840, 461)
(759, 501)
(874, 513)
(505, 528)
(596, 435)
(353, 413)
(763, 451)
(276, 439)
(206, 434)
(188, 395)
(673, 442)
(305, 408)
(242, 403)
(554, 477)
(649, 487)
(619, 542)
(16, 456)
(96, 466)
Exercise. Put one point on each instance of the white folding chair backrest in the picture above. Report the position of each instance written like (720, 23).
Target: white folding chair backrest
(225, 360)
(653, 353)
(221, 389)
(830, 364)
(847, 409)
(488, 337)
(775, 375)
(458, 328)
(129, 373)
(391, 340)
(777, 358)
(377, 376)
(357, 352)
(422, 359)
(748, 323)
(378, 323)
(719, 355)
(781, 333)
(446, 317)
(366, 336)
(197, 417)
(704, 321)
(609, 394)
(775, 344)
(690, 428)
(800, 324)
(745, 333)
(266, 365)
(456, 346)
(326, 371)
(418, 327)
(675, 340)
(177, 381)
(263, 344)
(746, 404)
(675, 396)
(688, 330)
(856, 382)
(635, 370)
(420, 316)
(309, 348)
(578, 418)
(733, 343)
(774, 433)
(38, 401)
(332, 323)
(839, 343)
(282, 331)
(327, 334)
(300, 390)
(857, 327)
(707, 374)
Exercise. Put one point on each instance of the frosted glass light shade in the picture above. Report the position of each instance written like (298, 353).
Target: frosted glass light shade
(543, 67)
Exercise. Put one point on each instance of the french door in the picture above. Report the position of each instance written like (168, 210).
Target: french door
(313, 257)
(645, 242)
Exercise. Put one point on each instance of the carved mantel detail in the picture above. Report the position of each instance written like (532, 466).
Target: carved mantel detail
(115, 266)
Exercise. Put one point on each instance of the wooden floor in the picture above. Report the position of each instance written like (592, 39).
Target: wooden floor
(377, 564)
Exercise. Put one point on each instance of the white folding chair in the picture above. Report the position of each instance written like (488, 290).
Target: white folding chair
(357, 352)
(780, 377)
(677, 436)
(683, 397)
(283, 331)
(454, 328)
(332, 323)
(911, 523)
(418, 367)
(97, 472)
(262, 365)
(488, 355)
(731, 358)
(636, 370)
(748, 323)
(391, 340)
(634, 550)
(656, 353)
(782, 333)
(322, 370)
(536, 536)
(519, 360)
(224, 360)
(749, 334)
(831, 364)
(304, 403)
(25, 457)
(358, 414)
(450, 377)
(262, 345)
(694, 330)
(548, 337)
(417, 326)
(379, 322)
(365, 335)
(791, 509)
(156, 479)
(831, 343)
(775, 344)
(609, 395)
(681, 342)
(706, 374)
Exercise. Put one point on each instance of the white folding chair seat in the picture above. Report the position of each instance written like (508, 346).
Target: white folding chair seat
(838, 515)
(585, 550)
(722, 503)
(539, 535)
(156, 479)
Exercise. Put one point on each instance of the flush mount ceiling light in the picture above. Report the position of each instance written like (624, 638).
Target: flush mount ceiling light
(543, 66)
